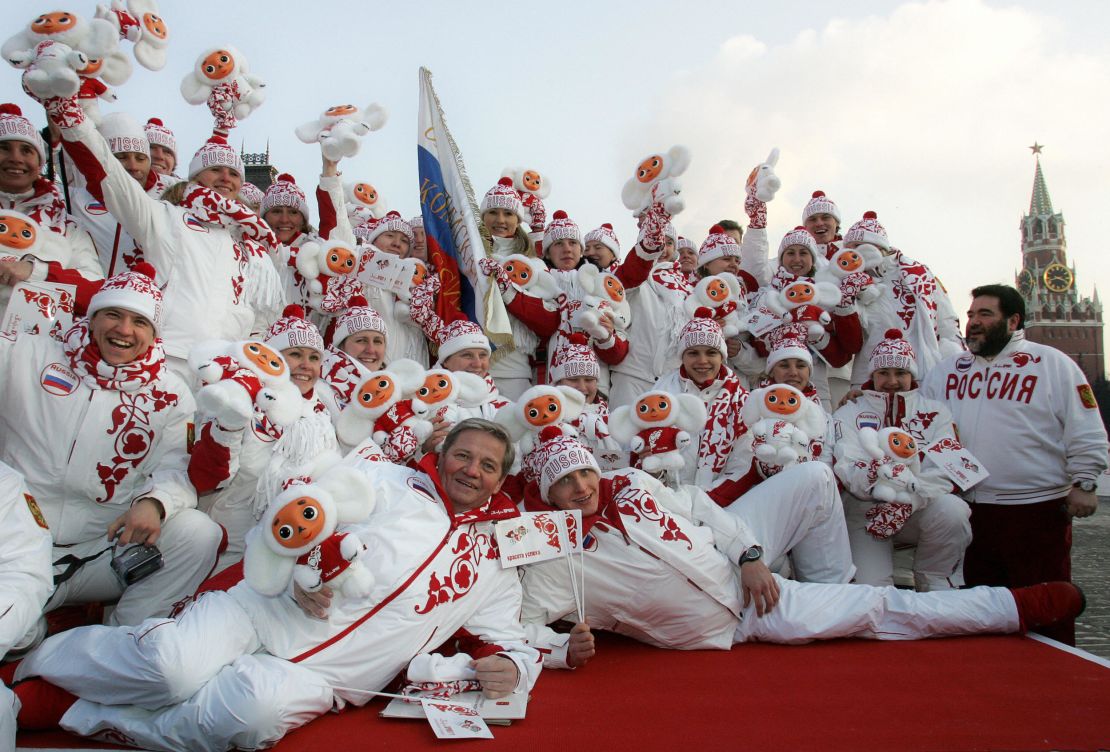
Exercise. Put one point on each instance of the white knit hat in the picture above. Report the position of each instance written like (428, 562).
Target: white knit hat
(718, 245)
(671, 232)
(787, 342)
(893, 352)
(561, 227)
(15, 127)
(868, 230)
(251, 193)
(574, 358)
(215, 153)
(294, 330)
(702, 332)
(124, 134)
(459, 335)
(158, 134)
(504, 196)
(359, 317)
(685, 242)
(284, 192)
(558, 457)
(134, 290)
(820, 204)
(417, 221)
(606, 237)
(390, 222)
(800, 236)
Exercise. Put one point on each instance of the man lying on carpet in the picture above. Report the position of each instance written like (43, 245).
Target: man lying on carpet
(673, 569)
(239, 669)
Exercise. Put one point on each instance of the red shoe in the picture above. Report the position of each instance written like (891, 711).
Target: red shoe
(43, 704)
(1048, 603)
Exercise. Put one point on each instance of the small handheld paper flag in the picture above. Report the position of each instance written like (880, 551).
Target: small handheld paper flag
(453, 721)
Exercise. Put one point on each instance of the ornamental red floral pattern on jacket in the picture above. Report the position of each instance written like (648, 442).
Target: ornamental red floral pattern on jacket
(470, 548)
(640, 505)
(134, 435)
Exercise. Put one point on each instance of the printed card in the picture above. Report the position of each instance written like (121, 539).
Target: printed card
(960, 465)
(388, 272)
(40, 308)
(538, 536)
(760, 321)
(451, 720)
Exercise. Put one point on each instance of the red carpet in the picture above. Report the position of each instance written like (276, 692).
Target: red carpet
(985, 693)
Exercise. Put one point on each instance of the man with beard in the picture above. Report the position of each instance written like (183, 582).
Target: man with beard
(1026, 411)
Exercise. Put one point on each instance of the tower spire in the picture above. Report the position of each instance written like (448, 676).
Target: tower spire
(1040, 203)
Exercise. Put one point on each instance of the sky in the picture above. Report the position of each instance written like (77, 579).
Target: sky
(920, 111)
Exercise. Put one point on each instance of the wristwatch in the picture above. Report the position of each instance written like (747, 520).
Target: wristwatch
(753, 553)
(1087, 486)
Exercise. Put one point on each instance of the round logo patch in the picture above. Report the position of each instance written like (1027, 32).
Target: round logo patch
(96, 208)
(868, 420)
(964, 362)
(193, 223)
(418, 485)
(58, 380)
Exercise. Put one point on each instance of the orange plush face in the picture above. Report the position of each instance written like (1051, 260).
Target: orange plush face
(654, 408)
(543, 410)
(16, 233)
(340, 260)
(901, 444)
(155, 25)
(92, 68)
(54, 23)
(614, 289)
(341, 110)
(263, 358)
(649, 169)
(849, 261)
(781, 401)
(437, 388)
(519, 272)
(531, 180)
(375, 392)
(217, 65)
(366, 193)
(297, 523)
(717, 291)
(800, 293)
(420, 275)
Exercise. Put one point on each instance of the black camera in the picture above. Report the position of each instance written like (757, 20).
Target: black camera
(136, 563)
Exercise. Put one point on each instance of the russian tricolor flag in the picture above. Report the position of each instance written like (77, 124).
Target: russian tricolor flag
(451, 224)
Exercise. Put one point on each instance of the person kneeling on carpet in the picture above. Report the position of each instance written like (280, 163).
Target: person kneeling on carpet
(674, 570)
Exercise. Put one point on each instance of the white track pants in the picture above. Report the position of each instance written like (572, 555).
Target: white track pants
(813, 611)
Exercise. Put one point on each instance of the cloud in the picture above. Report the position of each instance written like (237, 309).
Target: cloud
(922, 115)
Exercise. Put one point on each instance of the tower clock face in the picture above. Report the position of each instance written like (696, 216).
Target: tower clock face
(1025, 283)
(1058, 278)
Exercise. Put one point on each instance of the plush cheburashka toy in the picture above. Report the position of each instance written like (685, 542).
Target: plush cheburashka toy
(538, 408)
(139, 22)
(604, 294)
(721, 298)
(655, 181)
(364, 202)
(321, 261)
(657, 427)
(95, 38)
(339, 130)
(385, 402)
(297, 538)
(533, 188)
(238, 378)
(806, 304)
(222, 79)
(783, 422)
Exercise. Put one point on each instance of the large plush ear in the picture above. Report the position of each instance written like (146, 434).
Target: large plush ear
(354, 424)
(752, 411)
(115, 69)
(193, 89)
(375, 116)
(310, 259)
(203, 352)
(309, 133)
(691, 413)
(265, 571)
(678, 159)
(589, 276)
(869, 441)
(734, 285)
(812, 420)
(101, 39)
(621, 426)
(828, 295)
(352, 492)
(872, 256)
(410, 375)
(634, 194)
(508, 417)
(573, 403)
(473, 389)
